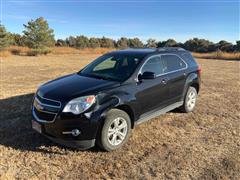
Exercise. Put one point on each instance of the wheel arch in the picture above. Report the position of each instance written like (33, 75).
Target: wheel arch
(195, 85)
(192, 80)
(126, 108)
(118, 103)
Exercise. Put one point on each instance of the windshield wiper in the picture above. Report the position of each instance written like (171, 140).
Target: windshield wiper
(109, 78)
(98, 76)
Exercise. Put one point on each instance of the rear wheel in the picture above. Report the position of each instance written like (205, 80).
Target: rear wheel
(190, 100)
(115, 130)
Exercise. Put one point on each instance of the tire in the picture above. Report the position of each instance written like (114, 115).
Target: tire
(109, 130)
(189, 100)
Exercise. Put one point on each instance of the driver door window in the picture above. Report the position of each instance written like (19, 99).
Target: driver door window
(155, 65)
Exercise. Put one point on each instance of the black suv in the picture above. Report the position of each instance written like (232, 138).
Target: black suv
(106, 99)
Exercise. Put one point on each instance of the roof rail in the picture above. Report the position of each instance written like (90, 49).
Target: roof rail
(170, 49)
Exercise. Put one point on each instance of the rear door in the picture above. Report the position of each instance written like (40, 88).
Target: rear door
(176, 70)
(153, 93)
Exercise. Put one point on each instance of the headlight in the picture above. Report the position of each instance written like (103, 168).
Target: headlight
(79, 105)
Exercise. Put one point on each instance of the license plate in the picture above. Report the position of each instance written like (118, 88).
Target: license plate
(36, 126)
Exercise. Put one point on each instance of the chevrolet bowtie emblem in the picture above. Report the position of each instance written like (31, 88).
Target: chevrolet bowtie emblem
(39, 106)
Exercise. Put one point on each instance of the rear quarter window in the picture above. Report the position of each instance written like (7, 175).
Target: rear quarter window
(189, 58)
(173, 62)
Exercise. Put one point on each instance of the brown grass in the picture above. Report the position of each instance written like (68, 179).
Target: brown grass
(218, 55)
(25, 51)
(4, 53)
(19, 50)
(200, 145)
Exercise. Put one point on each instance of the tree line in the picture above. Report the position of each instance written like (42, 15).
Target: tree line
(39, 36)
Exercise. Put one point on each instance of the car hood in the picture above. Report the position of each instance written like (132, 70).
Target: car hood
(74, 85)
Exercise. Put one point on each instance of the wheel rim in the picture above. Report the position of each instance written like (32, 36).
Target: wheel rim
(191, 100)
(117, 131)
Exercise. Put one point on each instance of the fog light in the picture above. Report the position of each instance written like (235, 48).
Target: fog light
(74, 132)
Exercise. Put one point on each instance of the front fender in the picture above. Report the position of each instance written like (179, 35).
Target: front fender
(108, 102)
(118, 99)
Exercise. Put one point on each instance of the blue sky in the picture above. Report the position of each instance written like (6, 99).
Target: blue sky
(159, 19)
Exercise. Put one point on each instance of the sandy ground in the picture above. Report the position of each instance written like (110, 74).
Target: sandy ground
(204, 144)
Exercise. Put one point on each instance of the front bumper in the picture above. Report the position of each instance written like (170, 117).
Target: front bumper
(82, 144)
(56, 131)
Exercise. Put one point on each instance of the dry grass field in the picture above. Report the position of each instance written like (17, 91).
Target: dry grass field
(23, 51)
(204, 144)
(218, 55)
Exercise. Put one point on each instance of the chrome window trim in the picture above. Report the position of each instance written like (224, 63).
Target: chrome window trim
(140, 70)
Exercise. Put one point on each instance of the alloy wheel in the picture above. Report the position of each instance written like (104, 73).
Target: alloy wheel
(191, 100)
(117, 131)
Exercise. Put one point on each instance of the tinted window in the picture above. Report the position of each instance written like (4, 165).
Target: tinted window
(189, 58)
(173, 63)
(107, 64)
(117, 67)
(155, 65)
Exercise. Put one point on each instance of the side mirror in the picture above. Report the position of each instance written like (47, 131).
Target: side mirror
(147, 75)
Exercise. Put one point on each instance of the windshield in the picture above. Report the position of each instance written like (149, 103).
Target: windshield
(116, 67)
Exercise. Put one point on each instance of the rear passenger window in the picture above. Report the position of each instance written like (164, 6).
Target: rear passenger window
(173, 63)
(155, 65)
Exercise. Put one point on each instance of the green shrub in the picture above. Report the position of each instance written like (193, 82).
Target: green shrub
(4, 38)
(38, 35)
(36, 52)
(15, 51)
(31, 53)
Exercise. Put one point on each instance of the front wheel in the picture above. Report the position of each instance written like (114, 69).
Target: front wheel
(115, 130)
(190, 100)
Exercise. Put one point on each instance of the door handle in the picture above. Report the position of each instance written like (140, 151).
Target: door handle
(164, 81)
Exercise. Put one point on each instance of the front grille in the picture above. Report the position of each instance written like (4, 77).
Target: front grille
(45, 110)
(48, 101)
(44, 116)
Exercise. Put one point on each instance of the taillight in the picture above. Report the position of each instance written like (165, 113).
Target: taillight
(199, 70)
